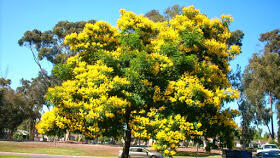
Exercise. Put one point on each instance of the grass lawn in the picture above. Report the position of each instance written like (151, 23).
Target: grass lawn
(5, 156)
(77, 150)
(60, 148)
(20, 148)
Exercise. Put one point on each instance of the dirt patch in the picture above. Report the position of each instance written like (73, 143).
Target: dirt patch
(200, 150)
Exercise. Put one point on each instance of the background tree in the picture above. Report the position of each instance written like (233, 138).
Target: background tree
(50, 44)
(272, 44)
(246, 109)
(272, 41)
(150, 80)
(262, 78)
(169, 13)
(155, 16)
(12, 109)
(236, 38)
(33, 93)
(47, 45)
(258, 133)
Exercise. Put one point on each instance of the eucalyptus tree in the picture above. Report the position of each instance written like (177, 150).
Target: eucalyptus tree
(262, 79)
(12, 109)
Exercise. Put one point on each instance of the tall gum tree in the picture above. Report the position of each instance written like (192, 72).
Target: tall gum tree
(47, 45)
(262, 78)
(166, 81)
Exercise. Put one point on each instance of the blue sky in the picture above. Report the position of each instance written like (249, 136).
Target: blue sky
(17, 16)
(253, 17)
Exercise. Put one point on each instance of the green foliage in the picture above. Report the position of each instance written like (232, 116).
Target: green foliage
(272, 41)
(50, 44)
(155, 16)
(258, 133)
(47, 45)
(131, 40)
(33, 93)
(246, 110)
(191, 38)
(19, 137)
(62, 71)
(12, 109)
(157, 80)
(262, 80)
(56, 132)
(172, 11)
(273, 142)
(236, 38)
(169, 13)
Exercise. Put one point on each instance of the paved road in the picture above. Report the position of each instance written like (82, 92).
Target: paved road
(46, 155)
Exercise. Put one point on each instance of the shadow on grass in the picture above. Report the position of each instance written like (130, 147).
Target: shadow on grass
(193, 154)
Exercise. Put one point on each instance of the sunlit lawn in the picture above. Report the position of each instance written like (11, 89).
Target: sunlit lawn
(5, 156)
(20, 148)
(59, 149)
(75, 150)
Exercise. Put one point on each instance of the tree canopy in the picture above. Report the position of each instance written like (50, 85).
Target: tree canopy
(262, 79)
(272, 41)
(246, 110)
(50, 44)
(47, 45)
(154, 15)
(167, 81)
(33, 92)
(169, 13)
(12, 109)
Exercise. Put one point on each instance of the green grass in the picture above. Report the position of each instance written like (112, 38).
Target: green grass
(39, 150)
(6, 156)
(52, 149)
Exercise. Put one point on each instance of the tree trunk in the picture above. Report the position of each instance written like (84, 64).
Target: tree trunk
(126, 143)
(204, 143)
(10, 134)
(185, 143)
(243, 136)
(269, 131)
(67, 135)
(31, 129)
(272, 128)
(127, 139)
(197, 145)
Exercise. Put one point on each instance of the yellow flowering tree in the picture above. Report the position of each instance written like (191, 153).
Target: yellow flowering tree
(166, 81)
